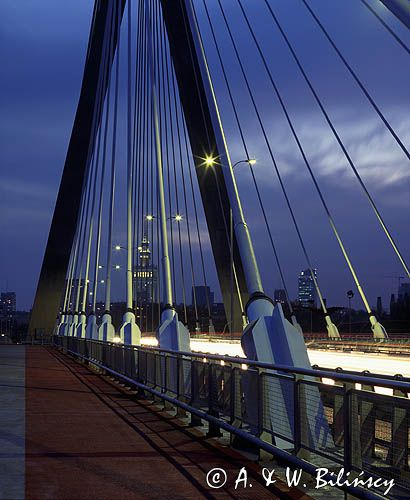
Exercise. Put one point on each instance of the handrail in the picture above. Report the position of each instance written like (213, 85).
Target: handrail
(379, 380)
(367, 374)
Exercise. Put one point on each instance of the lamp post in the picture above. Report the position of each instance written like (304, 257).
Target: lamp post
(350, 295)
(250, 162)
(311, 305)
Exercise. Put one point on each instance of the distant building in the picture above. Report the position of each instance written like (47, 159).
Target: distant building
(279, 295)
(202, 295)
(307, 289)
(404, 289)
(392, 303)
(379, 306)
(219, 316)
(145, 276)
(7, 303)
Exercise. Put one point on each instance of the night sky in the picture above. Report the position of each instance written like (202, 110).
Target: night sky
(42, 49)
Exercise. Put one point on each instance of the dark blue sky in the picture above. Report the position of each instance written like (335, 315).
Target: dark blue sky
(42, 49)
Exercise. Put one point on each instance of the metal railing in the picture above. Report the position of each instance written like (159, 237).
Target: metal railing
(367, 431)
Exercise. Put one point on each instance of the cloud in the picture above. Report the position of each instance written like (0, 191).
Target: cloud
(378, 159)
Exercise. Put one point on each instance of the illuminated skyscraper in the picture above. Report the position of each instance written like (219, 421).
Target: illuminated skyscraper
(145, 276)
(306, 288)
(8, 303)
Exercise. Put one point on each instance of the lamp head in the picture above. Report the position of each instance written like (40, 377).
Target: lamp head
(209, 161)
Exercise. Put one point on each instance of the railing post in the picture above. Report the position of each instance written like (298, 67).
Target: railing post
(159, 359)
(233, 396)
(347, 431)
(398, 455)
(301, 434)
(297, 438)
(195, 420)
(261, 400)
(213, 430)
(367, 424)
(338, 415)
(165, 374)
(179, 411)
(178, 361)
(237, 399)
(140, 390)
(262, 433)
(352, 444)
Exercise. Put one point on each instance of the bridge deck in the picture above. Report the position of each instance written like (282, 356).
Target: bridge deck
(87, 438)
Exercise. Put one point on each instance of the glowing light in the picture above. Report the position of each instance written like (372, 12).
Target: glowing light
(376, 363)
(100, 266)
(209, 161)
(116, 340)
(251, 161)
(152, 341)
(178, 217)
(117, 266)
(149, 217)
(102, 281)
(117, 247)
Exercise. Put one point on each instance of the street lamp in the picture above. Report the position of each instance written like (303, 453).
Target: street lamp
(311, 303)
(176, 217)
(350, 295)
(210, 161)
(249, 161)
(117, 266)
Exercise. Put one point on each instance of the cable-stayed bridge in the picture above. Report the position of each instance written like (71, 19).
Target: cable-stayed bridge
(150, 212)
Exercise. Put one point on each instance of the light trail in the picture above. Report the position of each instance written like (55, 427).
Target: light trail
(376, 363)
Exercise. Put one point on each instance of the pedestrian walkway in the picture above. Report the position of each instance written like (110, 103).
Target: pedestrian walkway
(12, 424)
(87, 437)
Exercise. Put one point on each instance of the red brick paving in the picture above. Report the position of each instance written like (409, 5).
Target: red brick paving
(87, 439)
